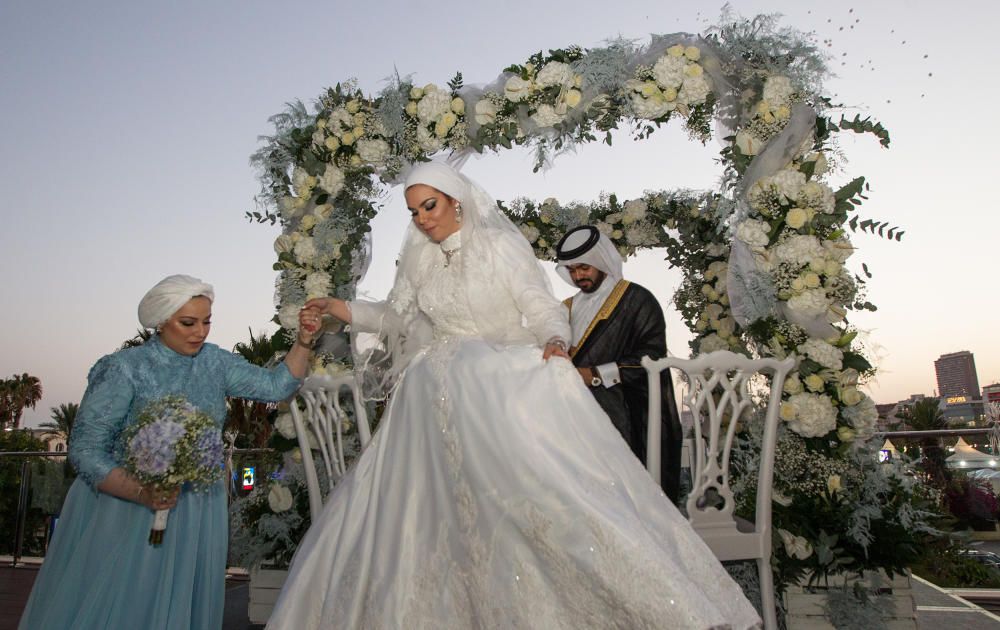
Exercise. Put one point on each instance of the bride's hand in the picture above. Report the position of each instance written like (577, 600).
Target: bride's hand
(310, 321)
(334, 307)
(555, 349)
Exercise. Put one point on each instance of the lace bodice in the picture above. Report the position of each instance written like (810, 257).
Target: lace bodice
(506, 299)
(442, 298)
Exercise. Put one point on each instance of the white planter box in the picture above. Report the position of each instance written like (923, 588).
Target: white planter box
(805, 608)
(265, 585)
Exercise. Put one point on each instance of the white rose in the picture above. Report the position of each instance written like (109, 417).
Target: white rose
(795, 546)
(572, 97)
(283, 244)
(486, 112)
(332, 180)
(285, 425)
(793, 385)
(850, 395)
(516, 89)
(795, 218)
(279, 498)
(748, 143)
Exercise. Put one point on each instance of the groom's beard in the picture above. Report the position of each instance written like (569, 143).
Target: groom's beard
(589, 286)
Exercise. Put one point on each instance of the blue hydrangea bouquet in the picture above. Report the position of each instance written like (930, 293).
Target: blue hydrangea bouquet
(173, 443)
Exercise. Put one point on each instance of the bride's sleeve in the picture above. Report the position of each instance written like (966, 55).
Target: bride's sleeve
(366, 316)
(544, 315)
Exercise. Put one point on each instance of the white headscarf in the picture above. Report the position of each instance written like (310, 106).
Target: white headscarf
(169, 295)
(598, 252)
(601, 255)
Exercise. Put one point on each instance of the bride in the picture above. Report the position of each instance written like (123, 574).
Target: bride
(496, 492)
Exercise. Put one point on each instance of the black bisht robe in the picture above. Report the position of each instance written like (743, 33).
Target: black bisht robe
(634, 329)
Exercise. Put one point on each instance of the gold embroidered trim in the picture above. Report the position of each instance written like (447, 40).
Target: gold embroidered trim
(607, 308)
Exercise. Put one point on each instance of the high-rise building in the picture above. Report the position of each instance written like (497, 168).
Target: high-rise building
(956, 376)
(991, 393)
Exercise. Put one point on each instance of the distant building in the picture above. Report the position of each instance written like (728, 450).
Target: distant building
(53, 442)
(956, 376)
(991, 393)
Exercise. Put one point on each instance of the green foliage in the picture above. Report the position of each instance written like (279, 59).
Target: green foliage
(21, 441)
(864, 125)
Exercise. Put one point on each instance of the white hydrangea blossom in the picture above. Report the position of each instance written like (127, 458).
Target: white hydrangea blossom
(754, 233)
(332, 180)
(285, 425)
(669, 71)
(434, 104)
(427, 141)
(799, 249)
(814, 414)
(555, 73)
(778, 90)
(305, 250)
(318, 284)
(787, 183)
(823, 353)
(817, 196)
(695, 90)
(810, 303)
(634, 211)
(288, 316)
(651, 108)
(373, 151)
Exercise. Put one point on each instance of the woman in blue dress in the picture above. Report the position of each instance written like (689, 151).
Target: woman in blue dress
(100, 570)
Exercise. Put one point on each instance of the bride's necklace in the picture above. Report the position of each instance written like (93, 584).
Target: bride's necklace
(454, 244)
(448, 253)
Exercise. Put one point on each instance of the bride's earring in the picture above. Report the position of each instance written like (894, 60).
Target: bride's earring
(458, 212)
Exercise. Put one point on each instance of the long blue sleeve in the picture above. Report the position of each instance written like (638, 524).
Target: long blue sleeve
(245, 380)
(101, 417)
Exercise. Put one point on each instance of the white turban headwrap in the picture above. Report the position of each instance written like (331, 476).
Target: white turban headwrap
(440, 176)
(168, 295)
(601, 254)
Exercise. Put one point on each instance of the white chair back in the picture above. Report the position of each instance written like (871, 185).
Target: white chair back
(324, 420)
(717, 396)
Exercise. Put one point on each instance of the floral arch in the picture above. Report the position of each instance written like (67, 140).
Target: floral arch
(763, 257)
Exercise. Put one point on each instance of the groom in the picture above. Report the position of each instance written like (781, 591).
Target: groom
(615, 323)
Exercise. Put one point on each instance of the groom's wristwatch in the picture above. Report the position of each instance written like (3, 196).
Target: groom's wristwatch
(595, 377)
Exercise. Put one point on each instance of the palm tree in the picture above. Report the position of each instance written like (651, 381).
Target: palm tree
(62, 420)
(20, 392)
(142, 335)
(247, 417)
(926, 415)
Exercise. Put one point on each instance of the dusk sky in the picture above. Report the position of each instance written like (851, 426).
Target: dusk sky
(127, 129)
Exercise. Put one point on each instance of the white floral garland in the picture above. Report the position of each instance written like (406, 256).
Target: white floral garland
(773, 238)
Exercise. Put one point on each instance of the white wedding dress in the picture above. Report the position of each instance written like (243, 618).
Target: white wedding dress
(497, 494)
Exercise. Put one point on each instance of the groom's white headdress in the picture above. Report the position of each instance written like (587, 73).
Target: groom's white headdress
(585, 245)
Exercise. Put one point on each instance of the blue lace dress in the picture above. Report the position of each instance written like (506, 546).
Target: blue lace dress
(100, 571)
